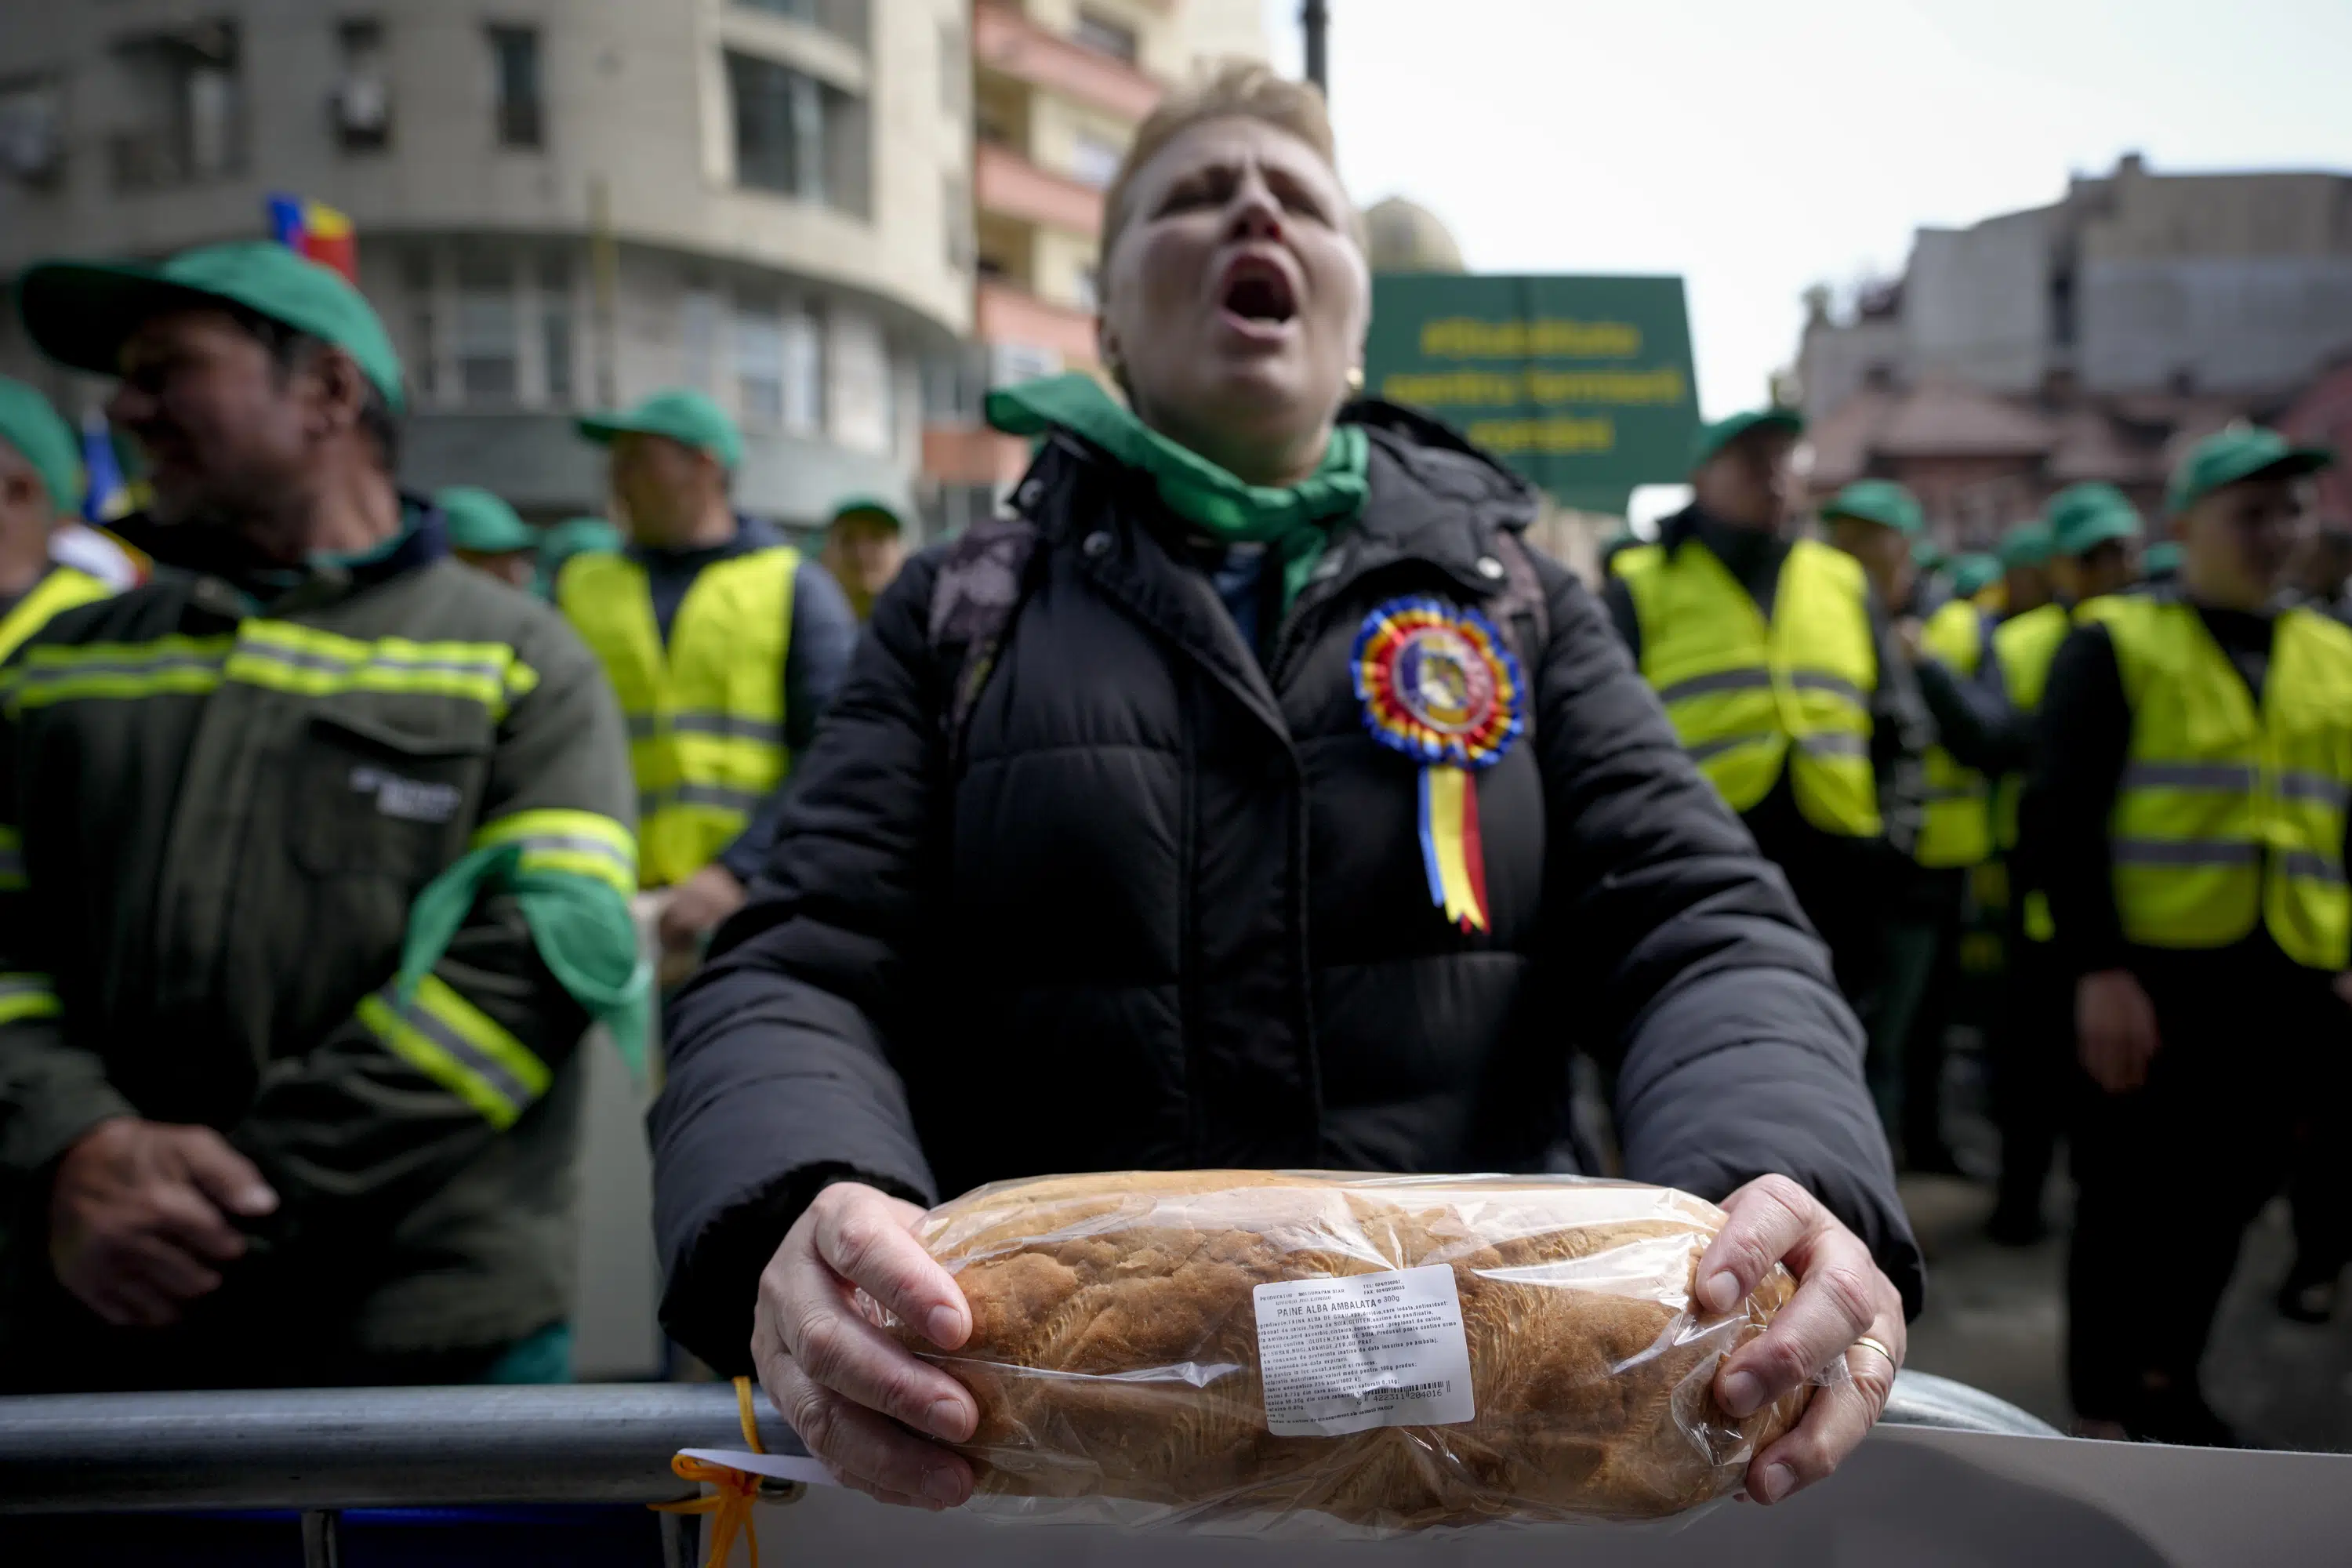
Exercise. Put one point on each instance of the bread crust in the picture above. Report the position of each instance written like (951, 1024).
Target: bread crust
(1114, 1347)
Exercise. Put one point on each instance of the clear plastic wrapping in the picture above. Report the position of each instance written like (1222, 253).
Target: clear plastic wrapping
(1343, 1354)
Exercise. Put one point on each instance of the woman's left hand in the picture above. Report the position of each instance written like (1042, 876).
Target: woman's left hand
(1841, 1295)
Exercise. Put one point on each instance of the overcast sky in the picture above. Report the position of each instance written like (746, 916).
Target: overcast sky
(1758, 149)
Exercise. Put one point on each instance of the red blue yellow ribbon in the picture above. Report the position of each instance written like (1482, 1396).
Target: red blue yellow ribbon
(1450, 850)
(1438, 685)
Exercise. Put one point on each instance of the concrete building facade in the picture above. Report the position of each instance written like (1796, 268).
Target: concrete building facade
(561, 205)
(2090, 339)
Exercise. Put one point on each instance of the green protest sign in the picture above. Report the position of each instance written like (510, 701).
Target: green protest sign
(1582, 384)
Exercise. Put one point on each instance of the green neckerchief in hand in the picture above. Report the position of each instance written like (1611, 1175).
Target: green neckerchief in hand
(582, 928)
(1293, 520)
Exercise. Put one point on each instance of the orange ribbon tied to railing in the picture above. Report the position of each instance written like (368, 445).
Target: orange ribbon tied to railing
(736, 1493)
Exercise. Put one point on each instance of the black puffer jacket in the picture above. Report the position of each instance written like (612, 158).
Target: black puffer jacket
(1167, 909)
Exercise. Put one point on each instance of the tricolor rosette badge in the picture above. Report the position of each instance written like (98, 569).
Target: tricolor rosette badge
(1437, 684)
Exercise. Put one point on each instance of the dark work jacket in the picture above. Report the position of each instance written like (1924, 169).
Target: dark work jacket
(2084, 742)
(1843, 883)
(1165, 908)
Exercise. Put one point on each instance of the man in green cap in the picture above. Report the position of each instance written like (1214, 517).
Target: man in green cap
(1881, 525)
(573, 536)
(291, 838)
(724, 645)
(1780, 673)
(2024, 557)
(2160, 563)
(1973, 574)
(2093, 531)
(485, 533)
(2187, 816)
(864, 546)
(40, 489)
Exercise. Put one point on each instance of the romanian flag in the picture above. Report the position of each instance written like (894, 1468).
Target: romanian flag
(106, 497)
(317, 231)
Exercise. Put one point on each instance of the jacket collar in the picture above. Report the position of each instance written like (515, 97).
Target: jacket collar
(215, 556)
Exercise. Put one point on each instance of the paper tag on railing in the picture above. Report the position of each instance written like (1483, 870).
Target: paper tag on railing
(776, 1467)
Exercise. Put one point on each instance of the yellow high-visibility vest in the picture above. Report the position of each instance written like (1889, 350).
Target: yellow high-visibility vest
(707, 715)
(2024, 644)
(1748, 699)
(1957, 828)
(61, 590)
(2226, 816)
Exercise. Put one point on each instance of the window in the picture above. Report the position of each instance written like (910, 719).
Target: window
(32, 148)
(361, 104)
(189, 92)
(846, 19)
(422, 355)
(780, 365)
(698, 334)
(803, 373)
(555, 327)
(487, 335)
(1105, 37)
(1094, 160)
(760, 362)
(798, 136)
(955, 68)
(514, 63)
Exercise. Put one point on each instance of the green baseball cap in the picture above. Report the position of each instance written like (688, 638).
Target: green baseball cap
(1882, 501)
(481, 522)
(1927, 555)
(2027, 544)
(2083, 517)
(2160, 561)
(79, 314)
(1713, 438)
(2241, 452)
(579, 536)
(683, 416)
(44, 439)
(1972, 574)
(871, 505)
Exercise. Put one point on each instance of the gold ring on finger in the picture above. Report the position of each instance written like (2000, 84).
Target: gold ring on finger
(1867, 1343)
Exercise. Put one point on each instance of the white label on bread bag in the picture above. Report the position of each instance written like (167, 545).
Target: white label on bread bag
(1370, 1350)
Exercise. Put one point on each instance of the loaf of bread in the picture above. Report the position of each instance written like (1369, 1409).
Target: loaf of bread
(1116, 1350)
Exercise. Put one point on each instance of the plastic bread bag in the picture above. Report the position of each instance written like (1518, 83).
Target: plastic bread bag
(1328, 1354)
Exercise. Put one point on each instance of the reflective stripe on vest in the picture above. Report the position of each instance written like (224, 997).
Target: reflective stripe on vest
(2224, 815)
(706, 715)
(1957, 828)
(61, 590)
(1748, 699)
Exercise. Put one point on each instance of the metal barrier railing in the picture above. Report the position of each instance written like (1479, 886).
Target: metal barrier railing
(322, 1450)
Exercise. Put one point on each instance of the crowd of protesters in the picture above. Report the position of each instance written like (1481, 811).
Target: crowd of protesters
(1251, 794)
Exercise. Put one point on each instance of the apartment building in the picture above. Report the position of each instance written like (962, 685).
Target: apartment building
(561, 205)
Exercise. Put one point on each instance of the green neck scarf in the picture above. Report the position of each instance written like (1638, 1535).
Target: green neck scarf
(1295, 521)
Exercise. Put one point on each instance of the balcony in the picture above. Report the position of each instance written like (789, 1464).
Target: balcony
(1007, 185)
(1011, 314)
(1009, 43)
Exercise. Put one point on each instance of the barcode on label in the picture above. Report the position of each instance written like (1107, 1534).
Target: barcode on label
(1348, 1355)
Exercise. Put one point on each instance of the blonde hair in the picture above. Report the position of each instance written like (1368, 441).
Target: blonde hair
(1234, 90)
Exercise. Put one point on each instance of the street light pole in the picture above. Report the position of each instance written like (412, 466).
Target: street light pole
(1315, 16)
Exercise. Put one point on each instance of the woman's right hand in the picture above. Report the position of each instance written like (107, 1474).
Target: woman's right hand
(850, 1391)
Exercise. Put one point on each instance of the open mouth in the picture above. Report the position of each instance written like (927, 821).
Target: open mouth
(1258, 292)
